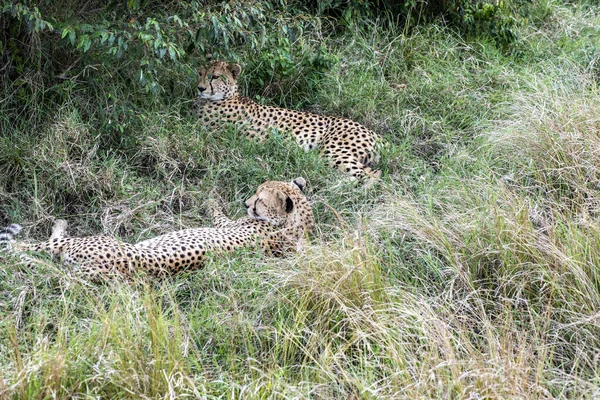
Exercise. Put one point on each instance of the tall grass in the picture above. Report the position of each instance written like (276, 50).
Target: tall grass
(470, 271)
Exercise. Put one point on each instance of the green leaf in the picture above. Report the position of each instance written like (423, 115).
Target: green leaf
(178, 20)
(215, 23)
(86, 45)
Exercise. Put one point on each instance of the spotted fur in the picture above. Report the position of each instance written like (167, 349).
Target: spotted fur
(279, 217)
(349, 145)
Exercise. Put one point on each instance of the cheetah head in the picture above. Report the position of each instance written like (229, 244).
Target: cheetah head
(282, 204)
(218, 81)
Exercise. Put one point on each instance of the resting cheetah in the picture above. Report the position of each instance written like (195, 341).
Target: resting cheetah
(279, 217)
(349, 145)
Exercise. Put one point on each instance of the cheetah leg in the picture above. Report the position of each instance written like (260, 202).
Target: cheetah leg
(59, 229)
(215, 205)
(54, 244)
(256, 134)
(220, 220)
(371, 173)
(348, 164)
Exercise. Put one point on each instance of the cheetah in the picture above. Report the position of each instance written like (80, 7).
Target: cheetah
(349, 146)
(279, 218)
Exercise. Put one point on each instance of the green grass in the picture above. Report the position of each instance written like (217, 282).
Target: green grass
(470, 271)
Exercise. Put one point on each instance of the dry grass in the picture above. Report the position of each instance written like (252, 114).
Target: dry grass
(471, 271)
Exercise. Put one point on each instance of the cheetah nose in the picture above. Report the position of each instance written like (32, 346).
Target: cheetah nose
(246, 204)
(201, 88)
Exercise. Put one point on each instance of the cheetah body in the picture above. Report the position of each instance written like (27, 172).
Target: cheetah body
(279, 226)
(348, 145)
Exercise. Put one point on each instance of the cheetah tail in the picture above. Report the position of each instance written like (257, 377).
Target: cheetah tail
(7, 236)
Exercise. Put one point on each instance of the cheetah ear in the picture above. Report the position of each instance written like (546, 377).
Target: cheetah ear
(289, 203)
(235, 70)
(300, 182)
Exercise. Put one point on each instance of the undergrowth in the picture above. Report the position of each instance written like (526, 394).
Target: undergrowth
(469, 271)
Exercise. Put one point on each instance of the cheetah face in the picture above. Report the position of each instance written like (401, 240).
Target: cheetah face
(218, 81)
(274, 202)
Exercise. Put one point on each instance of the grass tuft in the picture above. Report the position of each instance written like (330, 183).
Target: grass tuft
(470, 271)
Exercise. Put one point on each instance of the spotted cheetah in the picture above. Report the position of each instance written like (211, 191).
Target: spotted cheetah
(279, 217)
(349, 146)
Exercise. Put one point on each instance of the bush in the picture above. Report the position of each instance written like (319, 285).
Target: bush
(496, 19)
(49, 51)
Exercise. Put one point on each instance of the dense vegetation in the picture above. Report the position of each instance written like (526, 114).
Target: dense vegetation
(470, 271)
